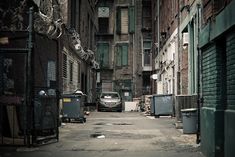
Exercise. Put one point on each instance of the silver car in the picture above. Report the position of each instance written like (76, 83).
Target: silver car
(109, 101)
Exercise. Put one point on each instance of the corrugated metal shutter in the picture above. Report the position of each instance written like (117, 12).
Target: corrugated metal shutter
(231, 70)
(107, 86)
(124, 20)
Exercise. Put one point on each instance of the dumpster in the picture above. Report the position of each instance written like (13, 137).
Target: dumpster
(189, 120)
(163, 104)
(152, 106)
(73, 107)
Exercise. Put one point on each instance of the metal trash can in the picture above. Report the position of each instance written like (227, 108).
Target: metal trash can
(73, 107)
(190, 119)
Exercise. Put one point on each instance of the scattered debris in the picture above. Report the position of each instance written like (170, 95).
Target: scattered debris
(101, 136)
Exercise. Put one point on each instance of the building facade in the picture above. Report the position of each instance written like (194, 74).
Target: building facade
(124, 47)
(77, 60)
(217, 56)
(200, 35)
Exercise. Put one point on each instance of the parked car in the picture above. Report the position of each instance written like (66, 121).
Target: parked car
(110, 101)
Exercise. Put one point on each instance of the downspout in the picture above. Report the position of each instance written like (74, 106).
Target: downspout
(198, 75)
(133, 60)
(30, 79)
(158, 33)
(178, 38)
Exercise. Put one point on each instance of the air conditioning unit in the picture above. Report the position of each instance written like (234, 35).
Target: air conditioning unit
(185, 38)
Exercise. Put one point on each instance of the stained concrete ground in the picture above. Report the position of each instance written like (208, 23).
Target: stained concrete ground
(112, 134)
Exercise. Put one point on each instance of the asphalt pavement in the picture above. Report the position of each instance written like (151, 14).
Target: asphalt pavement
(115, 134)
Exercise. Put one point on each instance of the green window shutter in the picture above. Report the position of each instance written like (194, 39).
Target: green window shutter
(131, 19)
(98, 53)
(106, 54)
(118, 56)
(125, 54)
(118, 20)
(103, 54)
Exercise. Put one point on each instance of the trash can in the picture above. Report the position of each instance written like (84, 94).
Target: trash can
(73, 107)
(190, 119)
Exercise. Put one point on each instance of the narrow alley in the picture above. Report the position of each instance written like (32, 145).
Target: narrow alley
(165, 68)
(106, 134)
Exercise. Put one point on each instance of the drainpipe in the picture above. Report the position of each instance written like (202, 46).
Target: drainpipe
(178, 38)
(158, 32)
(30, 78)
(133, 60)
(198, 75)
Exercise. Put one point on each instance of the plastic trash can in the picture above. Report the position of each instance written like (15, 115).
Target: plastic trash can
(190, 119)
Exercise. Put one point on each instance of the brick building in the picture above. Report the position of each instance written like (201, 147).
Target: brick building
(123, 46)
(165, 47)
(217, 56)
(203, 64)
(77, 44)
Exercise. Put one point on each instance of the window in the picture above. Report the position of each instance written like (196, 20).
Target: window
(71, 71)
(103, 25)
(103, 14)
(51, 73)
(103, 54)
(122, 55)
(146, 15)
(64, 65)
(125, 21)
(147, 53)
(79, 72)
(75, 14)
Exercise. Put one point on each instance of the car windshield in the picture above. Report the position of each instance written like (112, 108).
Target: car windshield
(110, 95)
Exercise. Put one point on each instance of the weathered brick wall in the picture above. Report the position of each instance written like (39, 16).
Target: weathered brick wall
(184, 71)
(168, 18)
(212, 7)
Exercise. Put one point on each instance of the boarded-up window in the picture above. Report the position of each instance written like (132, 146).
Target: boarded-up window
(124, 21)
(103, 54)
(122, 55)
